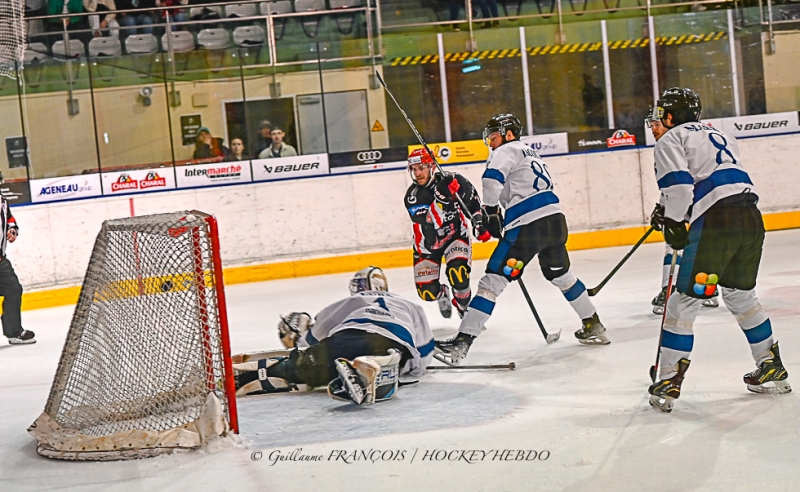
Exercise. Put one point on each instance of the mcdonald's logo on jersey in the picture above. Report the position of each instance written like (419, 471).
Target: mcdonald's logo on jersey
(461, 273)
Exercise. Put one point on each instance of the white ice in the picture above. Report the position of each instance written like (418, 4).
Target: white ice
(586, 406)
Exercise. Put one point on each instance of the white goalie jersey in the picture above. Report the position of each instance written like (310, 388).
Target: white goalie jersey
(518, 179)
(696, 166)
(383, 313)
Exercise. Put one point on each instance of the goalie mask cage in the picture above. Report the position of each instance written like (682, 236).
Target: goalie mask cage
(146, 366)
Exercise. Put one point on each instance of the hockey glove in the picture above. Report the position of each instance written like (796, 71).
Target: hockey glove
(657, 217)
(494, 221)
(478, 229)
(292, 327)
(675, 233)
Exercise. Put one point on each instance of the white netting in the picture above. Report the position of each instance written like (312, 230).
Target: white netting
(12, 36)
(144, 350)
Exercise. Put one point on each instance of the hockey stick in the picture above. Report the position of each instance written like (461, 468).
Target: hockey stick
(548, 337)
(654, 369)
(421, 141)
(595, 290)
(510, 366)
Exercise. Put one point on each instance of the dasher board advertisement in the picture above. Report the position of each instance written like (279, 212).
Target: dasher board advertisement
(213, 174)
(65, 188)
(300, 166)
(548, 144)
(137, 181)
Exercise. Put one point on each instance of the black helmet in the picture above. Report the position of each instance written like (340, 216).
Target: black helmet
(682, 104)
(502, 123)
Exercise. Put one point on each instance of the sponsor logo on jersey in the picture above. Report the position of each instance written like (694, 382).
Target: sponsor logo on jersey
(232, 171)
(588, 143)
(761, 126)
(370, 156)
(64, 189)
(288, 168)
(621, 138)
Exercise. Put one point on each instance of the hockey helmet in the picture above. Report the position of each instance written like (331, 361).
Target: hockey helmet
(370, 278)
(502, 123)
(682, 103)
(422, 158)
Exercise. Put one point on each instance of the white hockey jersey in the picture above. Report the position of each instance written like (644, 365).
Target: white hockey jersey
(383, 313)
(696, 166)
(517, 178)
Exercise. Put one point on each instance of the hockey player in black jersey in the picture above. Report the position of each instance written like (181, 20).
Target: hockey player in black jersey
(441, 229)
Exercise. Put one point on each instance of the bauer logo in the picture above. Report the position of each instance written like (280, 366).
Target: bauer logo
(290, 167)
(621, 138)
(761, 124)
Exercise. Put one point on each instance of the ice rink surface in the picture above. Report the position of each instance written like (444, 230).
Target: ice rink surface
(583, 409)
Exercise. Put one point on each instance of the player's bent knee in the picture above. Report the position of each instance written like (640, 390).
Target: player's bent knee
(565, 281)
(491, 284)
(458, 273)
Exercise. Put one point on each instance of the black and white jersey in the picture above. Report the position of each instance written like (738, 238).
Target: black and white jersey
(697, 166)
(383, 313)
(436, 216)
(518, 179)
(7, 222)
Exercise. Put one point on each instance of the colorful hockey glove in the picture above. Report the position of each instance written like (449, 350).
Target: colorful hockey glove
(478, 229)
(657, 217)
(494, 221)
(675, 233)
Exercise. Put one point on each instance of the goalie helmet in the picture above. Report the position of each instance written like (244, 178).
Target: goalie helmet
(682, 103)
(370, 278)
(502, 123)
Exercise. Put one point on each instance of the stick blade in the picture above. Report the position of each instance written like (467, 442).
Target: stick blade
(592, 292)
(553, 337)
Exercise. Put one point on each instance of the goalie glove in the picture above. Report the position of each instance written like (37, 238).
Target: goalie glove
(478, 229)
(494, 221)
(292, 327)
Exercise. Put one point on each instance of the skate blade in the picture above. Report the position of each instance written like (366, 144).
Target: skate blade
(446, 314)
(595, 340)
(658, 310)
(444, 359)
(710, 303)
(663, 404)
(771, 387)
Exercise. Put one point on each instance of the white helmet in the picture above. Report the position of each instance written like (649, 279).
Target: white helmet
(370, 278)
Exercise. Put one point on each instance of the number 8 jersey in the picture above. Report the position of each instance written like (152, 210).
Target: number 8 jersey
(517, 178)
(697, 166)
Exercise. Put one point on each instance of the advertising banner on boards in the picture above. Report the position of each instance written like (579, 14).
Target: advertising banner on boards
(300, 166)
(138, 180)
(65, 188)
(368, 160)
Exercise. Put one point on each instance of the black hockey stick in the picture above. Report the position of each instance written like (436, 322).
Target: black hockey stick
(421, 140)
(510, 366)
(593, 291)
(654, 368)
(548, 337)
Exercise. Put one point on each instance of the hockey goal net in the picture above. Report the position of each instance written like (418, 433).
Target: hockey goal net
(146, 365)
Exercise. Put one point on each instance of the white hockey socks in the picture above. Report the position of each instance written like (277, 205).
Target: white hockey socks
(367, 379)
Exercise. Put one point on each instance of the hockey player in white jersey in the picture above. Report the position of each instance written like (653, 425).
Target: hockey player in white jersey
(699, 171)
(358, 346)
(518, 180)
(657, 221)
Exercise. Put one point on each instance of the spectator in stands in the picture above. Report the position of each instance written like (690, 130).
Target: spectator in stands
(237, 150)
(175, 15)
(265, 142)
(488, 11)
(58, 7)
(204, 13)
(144, 19)
(278, 148)
(208, 147)
(106, 20)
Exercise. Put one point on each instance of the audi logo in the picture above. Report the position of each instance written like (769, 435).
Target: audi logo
(372, 155)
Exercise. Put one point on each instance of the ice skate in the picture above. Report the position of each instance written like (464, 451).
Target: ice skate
(26, 337)
(444, 300)
(454, 350)
(593, 332)
(770, 376)
(659, 300)
(713, 301)
(665, 392)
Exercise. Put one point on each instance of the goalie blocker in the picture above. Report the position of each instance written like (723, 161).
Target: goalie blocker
(357, 347)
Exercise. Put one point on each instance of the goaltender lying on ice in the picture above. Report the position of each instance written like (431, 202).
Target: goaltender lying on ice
(357, 347)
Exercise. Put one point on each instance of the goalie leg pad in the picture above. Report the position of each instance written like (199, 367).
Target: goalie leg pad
(367, 379)
(258, 377)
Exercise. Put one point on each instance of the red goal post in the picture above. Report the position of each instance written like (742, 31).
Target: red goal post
(146, 367)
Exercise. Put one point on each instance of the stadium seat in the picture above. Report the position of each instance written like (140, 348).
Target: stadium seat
(247, 37)
(35, 56)
(65, 53)
(310, 23)
(216, 39)
(346, 21)
(104, 47)
(241, 10)
(279, 7)
(181, 42)
(142, 44)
